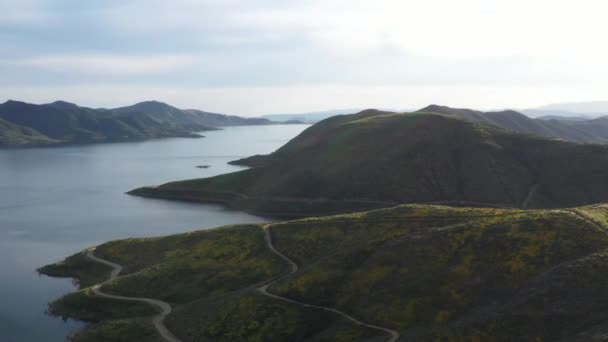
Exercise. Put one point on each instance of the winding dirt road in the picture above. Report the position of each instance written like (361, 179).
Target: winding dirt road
(394, 335)
(158, 320)
(597, 225)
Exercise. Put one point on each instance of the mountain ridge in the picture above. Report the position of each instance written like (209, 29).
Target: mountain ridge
(582, 131)
(375, 158)
(61, 122)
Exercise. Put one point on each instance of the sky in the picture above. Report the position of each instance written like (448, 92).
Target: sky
(253, 57)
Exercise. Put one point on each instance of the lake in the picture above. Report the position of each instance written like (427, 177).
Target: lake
(55, 202)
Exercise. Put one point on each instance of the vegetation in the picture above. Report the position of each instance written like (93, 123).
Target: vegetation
(23, 124)
(15, 135)
(582, 130)
(83, 270)
(428, 276)
(86, 306)
(196, 120)
(66, 123)
(118, 331)
(430, 272)
(249, 316)
(376, 159)
(182, 268)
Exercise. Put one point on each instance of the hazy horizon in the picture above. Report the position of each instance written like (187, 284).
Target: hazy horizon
(268, 57)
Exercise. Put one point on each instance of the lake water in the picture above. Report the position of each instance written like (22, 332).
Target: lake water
(56, 201)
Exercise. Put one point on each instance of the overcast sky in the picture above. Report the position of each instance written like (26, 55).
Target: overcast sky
(267, 56)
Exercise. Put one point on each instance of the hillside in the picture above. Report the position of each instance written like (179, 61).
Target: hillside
(194, 118)
(15, 135)
(220, 120)
(23, 124)
(377, 159)
(578, 130)
(65, 123)
(424, 273)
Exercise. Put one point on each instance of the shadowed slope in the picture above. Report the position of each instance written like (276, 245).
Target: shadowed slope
(66, 123)
(582, 130)
(373, 159)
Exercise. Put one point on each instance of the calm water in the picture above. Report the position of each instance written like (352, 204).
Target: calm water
(56, 201)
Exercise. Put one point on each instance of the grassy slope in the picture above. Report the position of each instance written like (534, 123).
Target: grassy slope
(185, 267)
(249, 316)
(15, 135)
(119, 331)
(24, 124)
(193, 272)
(428, 271)
(405, 158)
(481, 279)
(85, 271)
(86, 306)
(583, 131)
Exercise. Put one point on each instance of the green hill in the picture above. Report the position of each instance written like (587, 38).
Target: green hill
(431, 273)
(579, 130)
(15, 135)
(376, 159)
(65, 123)
(193, 118)
(60, 122)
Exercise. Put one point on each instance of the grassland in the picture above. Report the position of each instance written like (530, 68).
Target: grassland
(429, 272)
(127, 330)
(84, 271)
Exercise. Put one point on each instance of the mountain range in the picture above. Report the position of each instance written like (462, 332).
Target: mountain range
(558, 111)
(586, 109)
(376, 159)
(24, 124)
(564, 128)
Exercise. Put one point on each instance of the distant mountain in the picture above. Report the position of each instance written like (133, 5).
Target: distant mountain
(583, 130)
(539, 113)
(194, 118)
(24, 124)
(64, 123)
(15, 135)
(221, 120)
(311, 117)
(165, 113)
(374, 158)
(562, 118)
(591, 107)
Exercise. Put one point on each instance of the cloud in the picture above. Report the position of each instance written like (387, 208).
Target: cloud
(24, 12)
(388, 46)
(109, 64)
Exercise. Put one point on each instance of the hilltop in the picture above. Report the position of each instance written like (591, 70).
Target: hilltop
(376, 159)
(427, 273)
(578, 129)
(60, 122)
